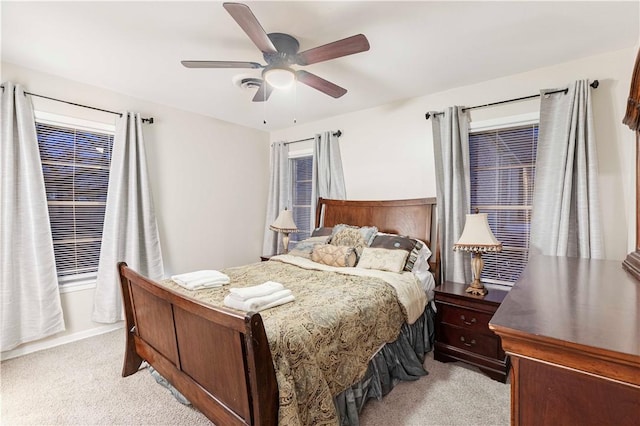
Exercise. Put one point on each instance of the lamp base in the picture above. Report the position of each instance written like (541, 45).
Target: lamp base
(476, 286)
(285, 242)
(478, 291)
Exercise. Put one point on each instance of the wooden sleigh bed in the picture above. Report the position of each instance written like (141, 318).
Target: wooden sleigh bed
(220, 359)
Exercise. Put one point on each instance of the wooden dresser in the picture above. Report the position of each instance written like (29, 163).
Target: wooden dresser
(572, 328)
(462, 329)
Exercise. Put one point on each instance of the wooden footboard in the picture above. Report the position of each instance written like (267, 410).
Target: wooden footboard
(217, 359)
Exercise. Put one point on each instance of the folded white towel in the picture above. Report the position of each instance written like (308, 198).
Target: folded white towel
(264, 289)
(257, 304)
(201, 279)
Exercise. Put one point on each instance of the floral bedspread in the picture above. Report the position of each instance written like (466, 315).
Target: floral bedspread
(322, 342)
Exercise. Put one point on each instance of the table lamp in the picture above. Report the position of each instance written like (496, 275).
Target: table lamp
(477, 238)
(284, 224)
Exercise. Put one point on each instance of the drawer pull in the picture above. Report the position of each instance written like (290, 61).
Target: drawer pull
(463, 340)
(473, 320)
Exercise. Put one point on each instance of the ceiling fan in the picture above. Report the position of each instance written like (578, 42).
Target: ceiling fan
(280, 51)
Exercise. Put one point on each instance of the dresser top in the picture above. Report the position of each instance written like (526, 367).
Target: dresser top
(587, 302)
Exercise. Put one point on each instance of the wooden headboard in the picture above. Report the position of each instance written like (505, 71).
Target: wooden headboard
(413, 218)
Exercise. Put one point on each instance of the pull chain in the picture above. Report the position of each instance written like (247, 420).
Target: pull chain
(295, 101)
(264, 102)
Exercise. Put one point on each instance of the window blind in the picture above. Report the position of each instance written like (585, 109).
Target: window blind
(502, 172)
(302, 169)
(75, 165)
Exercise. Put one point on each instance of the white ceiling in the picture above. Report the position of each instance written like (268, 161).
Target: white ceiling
(417, 48)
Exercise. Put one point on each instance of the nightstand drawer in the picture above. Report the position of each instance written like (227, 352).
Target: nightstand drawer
(478, 343)
(467, 319)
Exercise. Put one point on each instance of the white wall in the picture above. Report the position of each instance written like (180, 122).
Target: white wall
(387, 152)
(208, 177)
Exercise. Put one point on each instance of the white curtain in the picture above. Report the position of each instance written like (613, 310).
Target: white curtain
(566, 219)
(327, 175)
(279, 190)
(30, 298)
(451, 152)
(130, 230)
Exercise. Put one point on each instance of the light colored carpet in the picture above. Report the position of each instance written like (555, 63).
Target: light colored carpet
(80, 384)
(452, 394)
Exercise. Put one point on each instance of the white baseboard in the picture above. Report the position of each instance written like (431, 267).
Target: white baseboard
(40, 345)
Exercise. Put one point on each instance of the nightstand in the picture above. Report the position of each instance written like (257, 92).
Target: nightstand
(462, 329)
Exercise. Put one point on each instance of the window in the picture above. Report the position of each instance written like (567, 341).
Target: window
(301, 169)
(502, 172)
(75, 163)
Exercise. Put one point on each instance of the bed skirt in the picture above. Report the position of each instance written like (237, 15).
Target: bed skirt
(399, 361)
(395, 362)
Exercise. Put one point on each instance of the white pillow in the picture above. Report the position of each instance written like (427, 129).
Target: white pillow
(421, 271)
(383, 259)
(422, 261)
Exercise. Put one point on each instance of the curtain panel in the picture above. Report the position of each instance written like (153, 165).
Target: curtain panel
(565, 219)
(30, 298)
(327, 174)
(130, 230)
(279, 194)
(451, 152)
(632, 114)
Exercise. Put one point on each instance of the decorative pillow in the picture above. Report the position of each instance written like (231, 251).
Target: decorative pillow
(322, 231)
(420, 254)
(334, 255)
(383, 259)
(349, 237)
(368, 232)
(305, 247)
(393, 242)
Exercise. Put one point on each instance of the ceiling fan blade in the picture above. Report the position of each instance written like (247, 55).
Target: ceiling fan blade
(263, 93)
(248, 22)
(348, 46)
(220, 64)
(320, 84)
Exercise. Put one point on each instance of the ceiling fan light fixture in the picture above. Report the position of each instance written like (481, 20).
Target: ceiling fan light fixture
(281, 51)
(280, 78)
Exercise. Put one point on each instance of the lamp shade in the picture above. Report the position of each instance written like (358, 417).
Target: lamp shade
(284, 222)
(477, 236)
(280, 78)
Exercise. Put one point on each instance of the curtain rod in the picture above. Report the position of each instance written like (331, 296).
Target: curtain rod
(595, 85)
(144, 120)
(338, 134)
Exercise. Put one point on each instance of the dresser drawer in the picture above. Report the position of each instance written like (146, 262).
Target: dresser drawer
(478, 343)
(469, 320)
